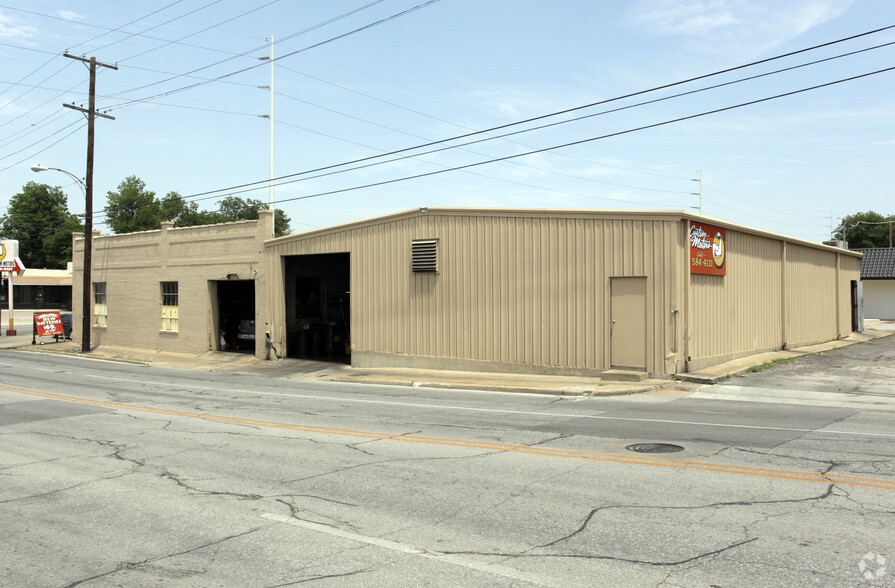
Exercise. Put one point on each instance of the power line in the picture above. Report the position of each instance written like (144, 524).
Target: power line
(199, 32)
(546, 149)
(243, 70)
(119, 28)
(761, 206)
(30, 157)
(415, 148)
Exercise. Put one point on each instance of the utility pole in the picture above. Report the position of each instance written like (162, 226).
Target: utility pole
(88, 196)
(270, 188)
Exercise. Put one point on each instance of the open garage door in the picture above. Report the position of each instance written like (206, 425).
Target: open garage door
(236, 315)
(318, 309)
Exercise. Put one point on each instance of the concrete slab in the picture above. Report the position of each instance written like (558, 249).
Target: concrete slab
(716, 373)
(244, 364)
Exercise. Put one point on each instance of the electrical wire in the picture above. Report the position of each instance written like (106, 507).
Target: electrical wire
(569, 144)
(30, 157)
(243, 70)
(411, 152)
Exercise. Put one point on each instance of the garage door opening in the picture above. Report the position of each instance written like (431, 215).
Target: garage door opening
(236, 315)
(318, 309)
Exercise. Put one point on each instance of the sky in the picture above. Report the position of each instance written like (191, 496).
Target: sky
(382, 106)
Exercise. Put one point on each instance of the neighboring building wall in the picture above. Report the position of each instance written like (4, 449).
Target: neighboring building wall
(879, 299)
(515, 290)
(134, 265)
(43, 289)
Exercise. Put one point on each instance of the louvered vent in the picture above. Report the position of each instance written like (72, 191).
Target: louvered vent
(424, 256)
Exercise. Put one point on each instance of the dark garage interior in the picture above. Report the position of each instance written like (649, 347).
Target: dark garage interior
(236, 315)
(318, 290)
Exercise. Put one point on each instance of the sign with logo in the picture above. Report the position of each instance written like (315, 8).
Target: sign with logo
(47, 324)
(708, 249)
(9, 257)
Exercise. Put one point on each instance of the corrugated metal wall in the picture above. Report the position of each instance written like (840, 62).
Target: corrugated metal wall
(530, 289)
(849, 271)
(811, 291)
(741, 312)
(775, 293)
(514, 288)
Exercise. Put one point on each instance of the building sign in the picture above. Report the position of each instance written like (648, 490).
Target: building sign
(9, 257)
(708, 249)
(47, 324)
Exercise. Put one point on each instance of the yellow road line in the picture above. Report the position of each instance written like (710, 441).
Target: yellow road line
(505, 447)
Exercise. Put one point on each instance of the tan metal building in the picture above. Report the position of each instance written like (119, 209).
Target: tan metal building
(181, 290)
(552, 291)
(538, 291)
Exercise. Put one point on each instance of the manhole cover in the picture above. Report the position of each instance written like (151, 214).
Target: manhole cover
(654, 448)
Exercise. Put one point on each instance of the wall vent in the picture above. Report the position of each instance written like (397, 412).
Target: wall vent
(424, 258)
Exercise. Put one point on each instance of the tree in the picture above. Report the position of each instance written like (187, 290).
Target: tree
(233, 208)
(39, 219)
(182, 213)
(133, 208)
(864, 230)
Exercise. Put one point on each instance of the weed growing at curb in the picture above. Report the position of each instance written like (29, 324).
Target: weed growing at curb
(772, 364)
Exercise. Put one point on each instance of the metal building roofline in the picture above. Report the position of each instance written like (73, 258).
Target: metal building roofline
(668, 215)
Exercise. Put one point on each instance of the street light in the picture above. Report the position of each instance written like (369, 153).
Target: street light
(81, 184)
(88, 256)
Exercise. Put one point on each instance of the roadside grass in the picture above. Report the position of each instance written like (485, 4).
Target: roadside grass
(772, 364)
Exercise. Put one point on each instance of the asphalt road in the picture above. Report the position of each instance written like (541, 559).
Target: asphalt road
(856, 375)
(121, 475)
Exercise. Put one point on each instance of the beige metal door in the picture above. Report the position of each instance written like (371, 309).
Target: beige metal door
(627, 327)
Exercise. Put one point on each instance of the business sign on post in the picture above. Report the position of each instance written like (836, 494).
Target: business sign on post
(9, 257)
(708, 249)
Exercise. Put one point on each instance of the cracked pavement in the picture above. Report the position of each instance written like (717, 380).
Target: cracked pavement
(129, 475)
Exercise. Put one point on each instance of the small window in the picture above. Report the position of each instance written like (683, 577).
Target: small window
(100, 310)
(424, 258)
(169, 306)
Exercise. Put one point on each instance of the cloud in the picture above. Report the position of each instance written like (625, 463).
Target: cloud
(12, 30)
(672, 17)
(743, 25)
(69, 15)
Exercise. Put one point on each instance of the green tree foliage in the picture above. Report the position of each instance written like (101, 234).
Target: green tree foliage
(864, 230)
(133, 208)
(39, 219)
(183, 214)
(233, 208)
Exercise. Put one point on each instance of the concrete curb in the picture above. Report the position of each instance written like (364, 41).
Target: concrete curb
(718, 373)
(247, 365)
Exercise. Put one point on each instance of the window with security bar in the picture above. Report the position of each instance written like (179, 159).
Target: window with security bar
(424, 256)
(169, 306)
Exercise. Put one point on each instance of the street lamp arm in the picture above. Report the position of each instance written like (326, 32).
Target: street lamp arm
(39, 168)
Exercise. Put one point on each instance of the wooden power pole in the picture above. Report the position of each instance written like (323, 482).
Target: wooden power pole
(88, 197)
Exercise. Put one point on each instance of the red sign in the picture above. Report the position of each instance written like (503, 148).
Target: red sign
(13, 265)
(47, 324)
(708, 249)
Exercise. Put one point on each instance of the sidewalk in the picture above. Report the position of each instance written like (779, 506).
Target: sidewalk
(244, 364)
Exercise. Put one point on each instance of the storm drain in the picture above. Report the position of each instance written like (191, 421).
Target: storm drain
(654, 448)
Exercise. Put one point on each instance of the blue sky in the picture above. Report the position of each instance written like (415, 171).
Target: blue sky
(188, 109)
